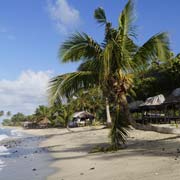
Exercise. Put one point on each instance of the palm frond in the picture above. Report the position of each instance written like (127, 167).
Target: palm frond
(67, 84)
(126, 20)
(119, 131)
(90, 65)
(156, 48)
(77, 47)
(100, 16)
(107, 60)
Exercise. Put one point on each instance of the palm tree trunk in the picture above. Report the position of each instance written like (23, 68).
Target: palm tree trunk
(120, 122)
(109, 121)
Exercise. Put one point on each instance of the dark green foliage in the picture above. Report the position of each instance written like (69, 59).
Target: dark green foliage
(158, 79)
(7, 122)
(18, 119)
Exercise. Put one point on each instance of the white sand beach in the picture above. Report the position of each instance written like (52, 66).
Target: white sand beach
(148, 156)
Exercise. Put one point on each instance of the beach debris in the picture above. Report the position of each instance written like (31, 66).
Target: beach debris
(92, 168)
(34, 169)
(15, 151)
(81, 174)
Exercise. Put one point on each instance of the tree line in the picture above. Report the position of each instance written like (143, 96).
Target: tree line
(60, 114)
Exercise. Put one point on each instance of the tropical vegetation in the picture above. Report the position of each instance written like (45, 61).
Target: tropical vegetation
(110, 66)
(59, 114)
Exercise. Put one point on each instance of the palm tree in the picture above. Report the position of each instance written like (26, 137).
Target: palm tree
(65, 115)
(8, 113)
(42, 113)
(109, 65)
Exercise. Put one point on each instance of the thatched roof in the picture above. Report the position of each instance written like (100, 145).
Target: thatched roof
(44, 121)
(83, 114)
(153, 101)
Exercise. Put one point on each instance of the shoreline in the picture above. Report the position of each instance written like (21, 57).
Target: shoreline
(149, 155)
(25, 159)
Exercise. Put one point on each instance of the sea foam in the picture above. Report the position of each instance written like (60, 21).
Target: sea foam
(3, 151)
(16, 133)
(3, 136)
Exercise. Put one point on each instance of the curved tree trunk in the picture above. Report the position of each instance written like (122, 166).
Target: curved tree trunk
(108, 115)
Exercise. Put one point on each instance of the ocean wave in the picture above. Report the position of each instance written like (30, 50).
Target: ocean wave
(3, 151)
(16, 133)
(1, 164)
(3, 136)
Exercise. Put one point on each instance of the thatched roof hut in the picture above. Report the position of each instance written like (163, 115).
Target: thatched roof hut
(44, 122)
(29, 125)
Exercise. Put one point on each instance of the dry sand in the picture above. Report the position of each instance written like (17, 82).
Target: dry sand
(148, 156)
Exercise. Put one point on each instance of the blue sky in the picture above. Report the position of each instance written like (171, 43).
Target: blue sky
(31, 32)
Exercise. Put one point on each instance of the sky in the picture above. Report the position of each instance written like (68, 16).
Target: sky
(31, 32)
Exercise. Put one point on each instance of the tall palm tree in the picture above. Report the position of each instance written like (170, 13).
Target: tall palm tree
(109, 65)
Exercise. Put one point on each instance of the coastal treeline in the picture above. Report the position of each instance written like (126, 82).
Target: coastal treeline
(59, 114)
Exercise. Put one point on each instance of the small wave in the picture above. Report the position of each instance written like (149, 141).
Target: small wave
(1, 164)
(3, 150)
(16, 133)
(3, 136)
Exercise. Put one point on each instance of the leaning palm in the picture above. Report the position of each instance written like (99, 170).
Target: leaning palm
(105, 64)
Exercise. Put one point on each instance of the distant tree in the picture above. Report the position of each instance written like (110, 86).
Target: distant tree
(18, 118)
(1, 113)
(65, 115)
(7, 122)
(42, 112)
(8, 113)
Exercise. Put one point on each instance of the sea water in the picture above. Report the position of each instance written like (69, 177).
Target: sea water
(4, 134)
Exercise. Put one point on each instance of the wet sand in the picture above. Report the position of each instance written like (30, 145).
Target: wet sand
(26, 160)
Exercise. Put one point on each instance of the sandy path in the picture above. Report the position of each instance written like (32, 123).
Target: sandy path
(149, 155)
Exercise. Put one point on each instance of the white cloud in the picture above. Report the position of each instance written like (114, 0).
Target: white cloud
(64, 15)
(25, 93)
